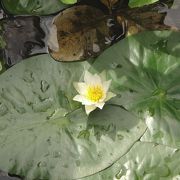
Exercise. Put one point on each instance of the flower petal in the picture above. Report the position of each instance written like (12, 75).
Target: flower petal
(106, 85)
(83, 100)
(89, 109)
(103, 75)
(100, 105)
(109, 96)
(92, 79)
(78, 98)
(87, 102)
(80, 87)
(97, 80)
(88, 77)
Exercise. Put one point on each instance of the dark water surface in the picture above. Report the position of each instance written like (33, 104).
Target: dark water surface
(26, 36)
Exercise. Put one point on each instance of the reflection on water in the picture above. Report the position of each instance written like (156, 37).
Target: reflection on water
(173, 15)
(77, 33)
(82, 31)
(24, 37)
(2, 13)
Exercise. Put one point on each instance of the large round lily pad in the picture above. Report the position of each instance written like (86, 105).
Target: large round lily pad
(46, 135)
(145, 161)
(146, 78)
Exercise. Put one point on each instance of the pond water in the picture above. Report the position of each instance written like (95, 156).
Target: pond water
(80, 32)
(87, 37)
(92, 30)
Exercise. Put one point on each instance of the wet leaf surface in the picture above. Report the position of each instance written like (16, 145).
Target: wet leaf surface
(139, 3)
(38, 115)
(44, 134)
(40, 125)
(145, 161)
(147, 82)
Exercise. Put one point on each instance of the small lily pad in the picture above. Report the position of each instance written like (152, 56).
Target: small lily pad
(81, 32)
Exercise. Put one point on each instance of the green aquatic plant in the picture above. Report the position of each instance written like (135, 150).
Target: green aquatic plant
(45, 7)
(44, 134)
(145, 161)
(139, 3)
(69, 1)
(33, 7)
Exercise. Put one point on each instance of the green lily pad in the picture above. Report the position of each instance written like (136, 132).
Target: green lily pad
(144, 161)
(69, 1)
(162, 130)
(164, 41)
(33, 7)
(147, 82)
(46, 135)
(139, 3)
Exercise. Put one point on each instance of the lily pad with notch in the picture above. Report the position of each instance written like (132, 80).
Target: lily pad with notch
(44, 134)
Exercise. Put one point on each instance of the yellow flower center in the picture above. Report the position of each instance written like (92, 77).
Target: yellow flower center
(95, 93)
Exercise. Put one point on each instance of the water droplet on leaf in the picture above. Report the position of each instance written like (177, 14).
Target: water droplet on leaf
(44, 86)
(28, 76)
(41, 164)
(42, 106)
(119, 174)
(78, 163)
(57, 154)
(120, 137)
(84, 134)
(3, 109)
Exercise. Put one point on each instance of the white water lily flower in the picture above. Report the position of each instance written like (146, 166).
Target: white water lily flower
(93, 92)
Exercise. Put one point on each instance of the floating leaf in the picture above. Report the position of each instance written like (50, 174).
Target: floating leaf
(36, 7)
(164, 129)
(69, 1)
(146, 81)
(139, 3)
(144, 161)
(164, 41)
(44, 134)
(81, 32)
